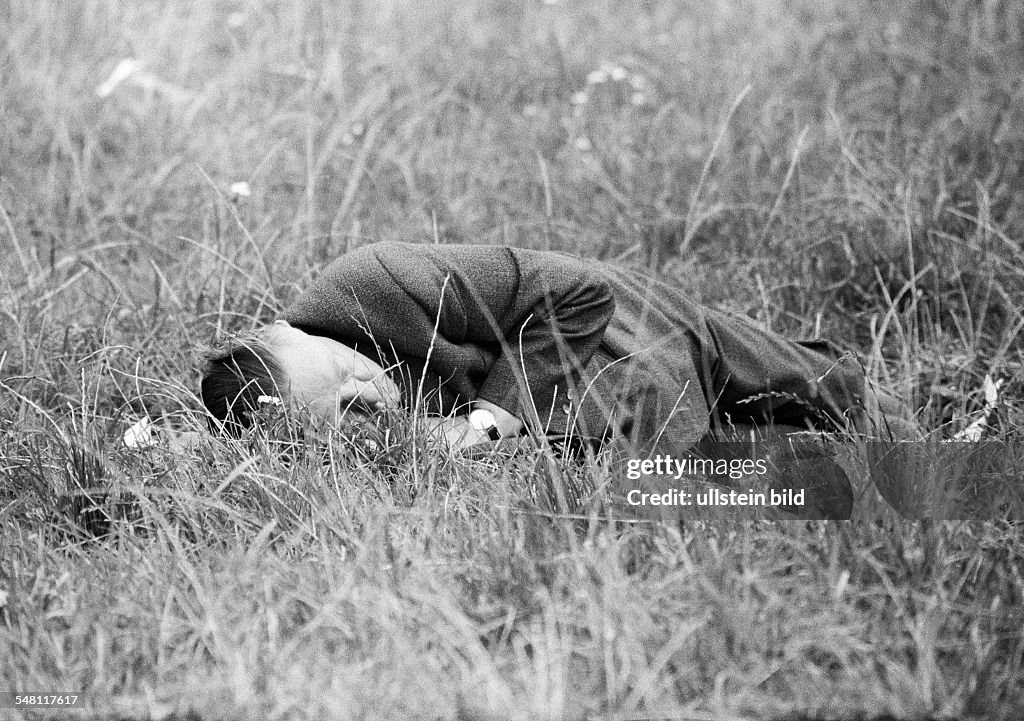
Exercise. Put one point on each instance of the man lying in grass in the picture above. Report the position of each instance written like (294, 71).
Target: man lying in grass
(497, 342)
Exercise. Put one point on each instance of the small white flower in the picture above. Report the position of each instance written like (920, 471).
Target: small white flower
(271, 400)
(354, 132)
(580, 98)
(140, 435)
(596, 77)
(619, 73)
(583, 144)
(240, 189)
(236, 19)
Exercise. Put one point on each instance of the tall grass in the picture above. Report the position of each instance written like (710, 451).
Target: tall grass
(844, 169)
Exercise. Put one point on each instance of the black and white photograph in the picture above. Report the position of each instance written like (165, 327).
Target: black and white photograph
(507, 360)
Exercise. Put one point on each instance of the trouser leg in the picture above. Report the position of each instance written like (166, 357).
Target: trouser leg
(761, 377)
(767, 386)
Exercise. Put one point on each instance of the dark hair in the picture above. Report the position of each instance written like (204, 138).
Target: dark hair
(234, 379)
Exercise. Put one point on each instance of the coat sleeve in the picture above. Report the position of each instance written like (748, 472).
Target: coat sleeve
(546, 312)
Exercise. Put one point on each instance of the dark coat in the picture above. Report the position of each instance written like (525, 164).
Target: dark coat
(569, 345)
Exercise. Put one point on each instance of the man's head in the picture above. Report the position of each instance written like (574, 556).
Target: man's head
(280, 361)
(237, 377)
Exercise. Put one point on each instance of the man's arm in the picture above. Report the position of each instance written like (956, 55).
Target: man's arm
(547, 312)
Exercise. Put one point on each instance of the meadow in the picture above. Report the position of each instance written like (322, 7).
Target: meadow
(173, 171)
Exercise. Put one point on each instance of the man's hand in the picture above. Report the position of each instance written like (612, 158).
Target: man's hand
(458, 434)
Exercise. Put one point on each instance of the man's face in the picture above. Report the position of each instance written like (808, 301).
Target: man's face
(326, 376)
